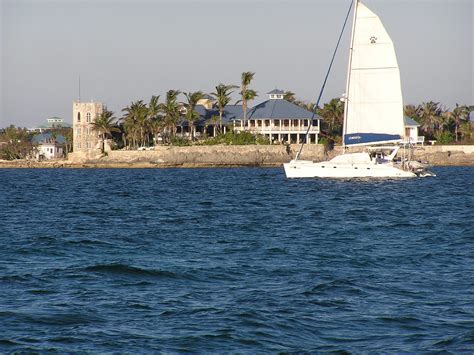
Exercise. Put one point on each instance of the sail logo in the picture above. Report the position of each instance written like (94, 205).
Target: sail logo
(373, 39)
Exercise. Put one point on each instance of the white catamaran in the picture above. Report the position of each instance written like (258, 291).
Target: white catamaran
(373, 112)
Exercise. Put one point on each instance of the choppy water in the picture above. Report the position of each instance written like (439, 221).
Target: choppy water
(234, 260)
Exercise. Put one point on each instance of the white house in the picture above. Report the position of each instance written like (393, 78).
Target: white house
(411, 131)
(48, 147)
(280, 120)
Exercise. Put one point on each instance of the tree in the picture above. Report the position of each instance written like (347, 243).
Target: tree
(135, 122)
(430, 116)
(246, 94)
(191, 114)
(170, 110)
(466, 130)
(105, 124)
(154, 116)
(333, 114)
(289, 96)
(17, 143)
(222, 96)
(412, 112)
(459, 115)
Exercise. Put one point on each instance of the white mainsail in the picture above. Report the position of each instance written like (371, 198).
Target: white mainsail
(374, 108)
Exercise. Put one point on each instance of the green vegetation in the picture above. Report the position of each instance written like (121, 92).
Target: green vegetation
(180, 141)
(191, 114)
(439, 123)
(333, 117)
(246, 94)
(222, 96)
(105, 125)
(233, 138)
(15, 143)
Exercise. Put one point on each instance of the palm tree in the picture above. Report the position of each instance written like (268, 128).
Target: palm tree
(105, 124)
(459, 115)
(170, 110)
(135, 122)
(246, 93)
(289, 96)
(222, 96)
(466, 130)
(154, 116)
(191, 114)
(430, 116)
(333, 113)
(411, 111)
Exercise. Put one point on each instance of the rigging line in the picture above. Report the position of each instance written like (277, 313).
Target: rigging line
(310, 123)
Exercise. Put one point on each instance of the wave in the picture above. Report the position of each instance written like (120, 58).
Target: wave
(88, 242)
(127, 270)
(51, 318)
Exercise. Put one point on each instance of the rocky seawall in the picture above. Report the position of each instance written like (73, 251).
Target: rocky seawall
(229, 156)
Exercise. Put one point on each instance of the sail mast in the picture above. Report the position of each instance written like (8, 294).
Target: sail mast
(349, 67)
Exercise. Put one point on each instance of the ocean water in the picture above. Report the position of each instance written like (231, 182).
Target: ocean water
(234, 260)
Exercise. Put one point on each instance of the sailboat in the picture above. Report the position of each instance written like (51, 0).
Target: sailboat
(373, 110)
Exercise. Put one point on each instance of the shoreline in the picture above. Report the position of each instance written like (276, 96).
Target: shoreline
(271, 156)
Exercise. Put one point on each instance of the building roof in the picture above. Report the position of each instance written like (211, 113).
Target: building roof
(54, 122)
(276, 91)
(231, 112)
(47, 137)
(270, 109)
(407, 121)
(278, 109)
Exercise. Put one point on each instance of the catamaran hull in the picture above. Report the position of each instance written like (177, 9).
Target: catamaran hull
(309, 169)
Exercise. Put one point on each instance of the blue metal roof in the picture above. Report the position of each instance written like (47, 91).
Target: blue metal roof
(43, 137)
(276, 91)
(271, 109)
(279, 109)
(410, 122)
(231, 112)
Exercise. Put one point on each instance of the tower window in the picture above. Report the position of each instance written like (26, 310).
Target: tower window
(88, 116)
(78, 117)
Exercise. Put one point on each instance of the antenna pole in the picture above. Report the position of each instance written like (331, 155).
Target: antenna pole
(79, 88)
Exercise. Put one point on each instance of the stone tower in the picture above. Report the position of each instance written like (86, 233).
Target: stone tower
(85, 139)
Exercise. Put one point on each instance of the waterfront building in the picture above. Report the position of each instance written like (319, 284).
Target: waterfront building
(411, 131)
(280, 120)
(85, 139)
(51, 124)
(48, 146)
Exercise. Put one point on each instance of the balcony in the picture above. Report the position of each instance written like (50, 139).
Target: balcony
(270, 129)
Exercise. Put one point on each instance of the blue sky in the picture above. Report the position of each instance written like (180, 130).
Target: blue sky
(128, 50)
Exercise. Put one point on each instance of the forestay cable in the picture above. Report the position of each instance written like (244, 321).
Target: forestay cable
(324, 84)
